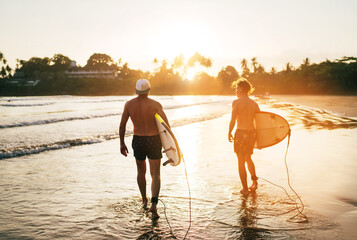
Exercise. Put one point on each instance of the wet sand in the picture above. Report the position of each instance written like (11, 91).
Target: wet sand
(343, 105)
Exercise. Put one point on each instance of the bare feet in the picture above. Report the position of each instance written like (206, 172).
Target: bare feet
(254, 186)
(244, 191)
(153, 211)
(145, 203)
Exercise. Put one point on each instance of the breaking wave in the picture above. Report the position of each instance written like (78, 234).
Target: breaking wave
(33, 149)
(64, 119)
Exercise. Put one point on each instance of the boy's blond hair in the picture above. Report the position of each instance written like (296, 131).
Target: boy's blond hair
(244, 84)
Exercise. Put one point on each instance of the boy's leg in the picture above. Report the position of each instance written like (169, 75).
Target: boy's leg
(155, 184)
(141, 166)
(242, 173)
(251, 169)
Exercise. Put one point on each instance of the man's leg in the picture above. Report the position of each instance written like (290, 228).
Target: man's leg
(251, 168)
(155, 184)
(242, 173)
(141, 166)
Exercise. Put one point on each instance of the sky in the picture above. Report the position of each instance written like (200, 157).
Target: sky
(274, 31)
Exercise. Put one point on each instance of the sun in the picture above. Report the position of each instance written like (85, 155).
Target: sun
(191, 73)
(182, 37)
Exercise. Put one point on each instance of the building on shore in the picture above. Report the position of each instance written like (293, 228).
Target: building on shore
(80, 72)
(19, 79)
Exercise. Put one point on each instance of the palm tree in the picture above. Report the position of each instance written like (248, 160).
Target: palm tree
(254, 64)
(178, 63)
(205, 62)
(5, 70)
(164, 64)
(260, 69)
(244, 64)
(245, 68)
(288, 67)
(193, 59)
(1, 56)
(155, 61)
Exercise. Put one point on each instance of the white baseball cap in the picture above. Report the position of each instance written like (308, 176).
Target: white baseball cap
(142, 86)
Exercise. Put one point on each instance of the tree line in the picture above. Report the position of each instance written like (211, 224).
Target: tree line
(328, 77)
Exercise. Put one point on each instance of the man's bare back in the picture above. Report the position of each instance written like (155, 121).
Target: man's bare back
(244, 109)
(142, 112)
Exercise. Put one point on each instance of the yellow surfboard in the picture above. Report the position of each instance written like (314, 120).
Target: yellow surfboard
(169, 142)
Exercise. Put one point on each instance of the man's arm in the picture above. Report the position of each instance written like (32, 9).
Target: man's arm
(233, 121)
(122, 128)
(163, 115)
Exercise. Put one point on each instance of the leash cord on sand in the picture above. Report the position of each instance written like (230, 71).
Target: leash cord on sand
(300, 211)
(189, 197)
(168, 223)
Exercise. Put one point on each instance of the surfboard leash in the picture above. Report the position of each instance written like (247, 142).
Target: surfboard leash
(297, 207)
(168, 223)
(189, 198)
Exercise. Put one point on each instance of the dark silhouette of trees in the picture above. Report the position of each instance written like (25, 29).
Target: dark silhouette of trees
(101, 61)
(226, 77)
(328, 77)
(5, 69)
(60, 62)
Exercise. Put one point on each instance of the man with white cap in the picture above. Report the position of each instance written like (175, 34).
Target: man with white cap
(146, 140)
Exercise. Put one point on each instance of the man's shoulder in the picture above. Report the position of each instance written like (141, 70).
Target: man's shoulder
(245, 101)
(154, 102)
(131, 101)
(239, 101)
(253, 101)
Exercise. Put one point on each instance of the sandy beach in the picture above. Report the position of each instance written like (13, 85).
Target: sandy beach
(341, 105)
(89, 191)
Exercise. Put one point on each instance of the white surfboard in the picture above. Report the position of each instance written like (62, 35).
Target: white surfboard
(271, 129)
(169, 142)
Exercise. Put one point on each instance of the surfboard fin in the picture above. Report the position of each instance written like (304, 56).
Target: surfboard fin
(167, 162)
(169, 149)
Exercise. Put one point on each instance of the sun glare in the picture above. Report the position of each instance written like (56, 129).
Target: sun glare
(182, 38)
(191, 73)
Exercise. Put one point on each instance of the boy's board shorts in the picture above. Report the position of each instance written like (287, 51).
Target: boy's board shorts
(244, 141)
(147, 146)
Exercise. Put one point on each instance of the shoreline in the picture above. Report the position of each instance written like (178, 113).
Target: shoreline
(337, 104)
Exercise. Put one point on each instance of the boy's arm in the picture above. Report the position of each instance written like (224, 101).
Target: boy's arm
(258, 109)
(233, 121)
(122, 128)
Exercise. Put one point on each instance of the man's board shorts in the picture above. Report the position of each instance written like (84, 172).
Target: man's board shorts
(244, 141)
(147, 146)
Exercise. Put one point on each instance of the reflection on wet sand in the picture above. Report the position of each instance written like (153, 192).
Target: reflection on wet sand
(247, 217)
(312, 118)
(266, 216)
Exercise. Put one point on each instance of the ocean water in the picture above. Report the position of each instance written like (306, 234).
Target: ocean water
(62, 175)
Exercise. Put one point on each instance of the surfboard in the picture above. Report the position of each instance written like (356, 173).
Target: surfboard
(169, 142)
(271, 129)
